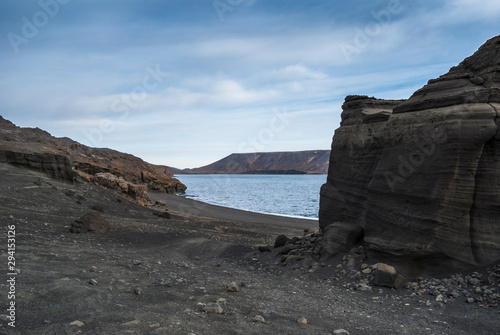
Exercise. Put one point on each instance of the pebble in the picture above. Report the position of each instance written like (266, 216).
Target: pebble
(213, 308)
(340, 332)
(138, 290)
(221, 301)
(93, 282)
(11, 217)
(166, 282)
(233, 287)
(77, 323)
(93, 269)
(302, 320)
(259, 318)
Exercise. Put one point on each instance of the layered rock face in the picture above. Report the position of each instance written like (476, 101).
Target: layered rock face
(422, 176)
(65, 159)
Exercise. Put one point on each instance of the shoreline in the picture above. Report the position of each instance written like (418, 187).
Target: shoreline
(250, 211)
(190, 207)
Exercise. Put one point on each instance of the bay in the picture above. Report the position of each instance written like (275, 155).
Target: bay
(285, 195)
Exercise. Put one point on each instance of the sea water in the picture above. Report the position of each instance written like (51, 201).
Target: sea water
(287, 195)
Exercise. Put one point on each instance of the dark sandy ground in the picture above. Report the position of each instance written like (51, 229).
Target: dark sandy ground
(151, 275)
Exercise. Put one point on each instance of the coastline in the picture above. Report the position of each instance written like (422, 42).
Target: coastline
(183, 206)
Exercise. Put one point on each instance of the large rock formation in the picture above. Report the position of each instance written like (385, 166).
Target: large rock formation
(65, 159)
(422, 176)
(297, 162)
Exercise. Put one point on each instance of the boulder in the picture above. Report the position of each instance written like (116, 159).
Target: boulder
(90, 223)
(340, 237)
(280, 241)
(386, 275)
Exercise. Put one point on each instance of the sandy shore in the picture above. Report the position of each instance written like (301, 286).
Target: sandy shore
(186, 206)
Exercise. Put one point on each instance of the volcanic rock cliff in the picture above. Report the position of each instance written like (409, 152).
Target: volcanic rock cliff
(63, 158)
(421, 177)
(297, 162)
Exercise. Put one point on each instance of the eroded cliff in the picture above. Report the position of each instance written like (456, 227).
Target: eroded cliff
(422, 176)
(63, 158)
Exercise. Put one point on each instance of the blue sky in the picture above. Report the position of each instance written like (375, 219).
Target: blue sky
(187, 82)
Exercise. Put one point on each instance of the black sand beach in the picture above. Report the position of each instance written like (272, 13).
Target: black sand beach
(199, 272)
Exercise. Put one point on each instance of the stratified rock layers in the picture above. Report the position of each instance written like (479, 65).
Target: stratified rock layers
(422, 176)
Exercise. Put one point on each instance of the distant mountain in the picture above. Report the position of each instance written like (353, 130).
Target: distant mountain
(299, 162)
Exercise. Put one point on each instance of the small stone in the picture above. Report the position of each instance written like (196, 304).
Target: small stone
(77, 323)
(11, 217)
(470, 300)
(93, 269)
(166, 282)
(302, 320)
(221, 301)
(136, 262)
(340, 332)
(367, 271)
(259, 318)
(138, 290)
(233, 287)
(213, 308)
(93, 282)
(439, 298)
(131, 323)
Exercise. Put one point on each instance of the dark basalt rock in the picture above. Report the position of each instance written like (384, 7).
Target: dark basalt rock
(423, 181)
(90, 223)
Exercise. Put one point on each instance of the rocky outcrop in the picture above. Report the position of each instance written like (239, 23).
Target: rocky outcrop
(54, 165)
(422, 176)
(63, 158)
(90, 223)
(298, 162)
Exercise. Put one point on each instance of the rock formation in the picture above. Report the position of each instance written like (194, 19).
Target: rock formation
(298, 162)
(421, 177)
(65, 159)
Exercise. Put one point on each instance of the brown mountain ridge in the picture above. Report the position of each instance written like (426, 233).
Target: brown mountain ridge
(65, 159)
(297, 162)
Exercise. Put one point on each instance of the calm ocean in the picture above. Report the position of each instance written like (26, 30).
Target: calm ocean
(287, 195)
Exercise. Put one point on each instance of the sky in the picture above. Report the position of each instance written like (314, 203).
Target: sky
(184, 83)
